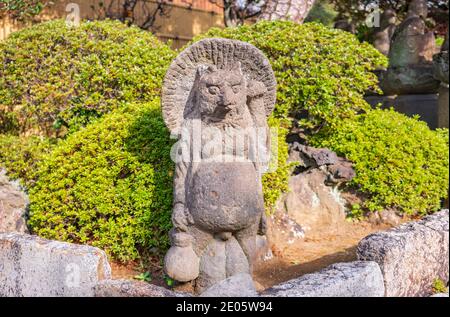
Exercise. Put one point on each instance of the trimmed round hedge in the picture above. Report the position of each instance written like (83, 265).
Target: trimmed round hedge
(55, 78)
(322, 73)
(108, 184)
(399, 162)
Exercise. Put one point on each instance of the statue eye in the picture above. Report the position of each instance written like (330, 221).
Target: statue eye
(213, 90)
(236, 88)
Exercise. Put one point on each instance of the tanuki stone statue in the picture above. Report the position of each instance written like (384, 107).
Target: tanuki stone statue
(411, 54)
(217, 95)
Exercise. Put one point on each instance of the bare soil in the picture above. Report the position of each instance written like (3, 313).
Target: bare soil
(314, 253)
(303, 257)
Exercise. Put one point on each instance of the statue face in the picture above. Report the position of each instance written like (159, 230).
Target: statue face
(222, 93)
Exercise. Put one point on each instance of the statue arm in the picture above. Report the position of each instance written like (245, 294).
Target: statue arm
(181, 218)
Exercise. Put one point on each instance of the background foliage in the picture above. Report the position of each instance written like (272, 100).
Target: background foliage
(55, 78)
(322, 73)
(399, 162)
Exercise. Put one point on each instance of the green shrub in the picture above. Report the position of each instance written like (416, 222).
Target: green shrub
(399, 161)
(108, 184)
(322, 73)
(275, 182)
(54, 77)
(20, 155)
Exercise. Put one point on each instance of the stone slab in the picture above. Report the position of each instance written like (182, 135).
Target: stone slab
(411, 256)
(36, 267)
(352, 279)
(130, 288)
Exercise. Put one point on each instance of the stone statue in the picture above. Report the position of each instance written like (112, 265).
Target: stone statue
(440, 67)
(410, 56)
(217, 95)
(383, 35)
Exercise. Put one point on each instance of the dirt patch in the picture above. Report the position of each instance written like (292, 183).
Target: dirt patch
(305, 256)
(314, 253)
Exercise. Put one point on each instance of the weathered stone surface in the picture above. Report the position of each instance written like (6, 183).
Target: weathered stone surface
(216, 98)
(338, 169)
(387, 216)
(440, 67)
(32, 266)
(130, 288)
(239, 285)
(413, 79)
(312, 204)
(411, 256)
(13, 205)
(353, 279)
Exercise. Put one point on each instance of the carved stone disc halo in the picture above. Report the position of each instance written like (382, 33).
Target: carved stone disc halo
(218, 52)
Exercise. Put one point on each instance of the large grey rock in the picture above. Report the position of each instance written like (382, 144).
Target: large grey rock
(410, 256)
(13, 205)
(353, 279)
(130, 288)
(32, 266)
(312, 204)
(239, 285)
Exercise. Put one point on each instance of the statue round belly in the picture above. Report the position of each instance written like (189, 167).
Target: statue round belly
(225, 196)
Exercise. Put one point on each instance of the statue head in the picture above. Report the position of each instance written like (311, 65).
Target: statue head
(418, 8)
(221, 94)
(218, 80)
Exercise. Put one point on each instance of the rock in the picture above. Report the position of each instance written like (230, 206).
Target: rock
(13, 206)
(32, 266)
(387, 216)
(130, 288)
(340, 172)
(440, 67)
(312, 157)
(353, 279)
(411, 256)
(338, 169)
(239, 285)
(408, 80)
(312, 204)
